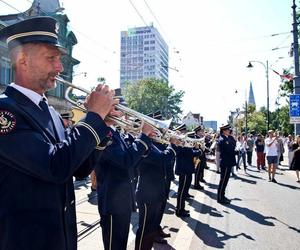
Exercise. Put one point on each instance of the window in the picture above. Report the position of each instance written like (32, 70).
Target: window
(5, 71)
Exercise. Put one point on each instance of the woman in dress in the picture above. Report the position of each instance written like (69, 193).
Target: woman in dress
(295, 165)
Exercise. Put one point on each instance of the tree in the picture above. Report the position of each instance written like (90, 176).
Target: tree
(149, 95)
(281, 120)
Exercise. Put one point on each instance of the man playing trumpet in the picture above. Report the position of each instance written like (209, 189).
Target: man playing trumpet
(38, 158)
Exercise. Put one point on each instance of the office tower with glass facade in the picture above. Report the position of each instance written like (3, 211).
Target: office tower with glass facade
(144, 54)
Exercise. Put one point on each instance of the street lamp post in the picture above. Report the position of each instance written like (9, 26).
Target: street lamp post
(296, 59)
(266, 66)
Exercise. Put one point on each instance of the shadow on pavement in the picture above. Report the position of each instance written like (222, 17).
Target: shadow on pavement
(170, 208)
(252, 215)
(238, 177)
(82, 183)
(288, 186)
(212, 186)
(157, 246)
(255, 177)
(205, 209)
(210, 236)
(289, 227)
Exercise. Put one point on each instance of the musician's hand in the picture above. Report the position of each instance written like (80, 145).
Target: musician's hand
(101, 100)
(147, 129)
(175, 141)
(116, 113)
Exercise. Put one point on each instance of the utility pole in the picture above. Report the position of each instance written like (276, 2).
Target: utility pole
(296, 60)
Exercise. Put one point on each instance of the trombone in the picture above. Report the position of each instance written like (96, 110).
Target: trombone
(135, 119)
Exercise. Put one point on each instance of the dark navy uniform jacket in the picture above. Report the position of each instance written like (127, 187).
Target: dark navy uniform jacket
(227, 151)
(151, 185)
(184, 160)
(115, 174)
(37, 206)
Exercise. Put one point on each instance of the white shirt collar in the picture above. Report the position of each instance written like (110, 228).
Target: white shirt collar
(33, 96)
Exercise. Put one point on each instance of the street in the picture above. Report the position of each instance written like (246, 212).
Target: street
(262, 215)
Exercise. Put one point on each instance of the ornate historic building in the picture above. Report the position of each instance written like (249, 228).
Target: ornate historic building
(66, 39)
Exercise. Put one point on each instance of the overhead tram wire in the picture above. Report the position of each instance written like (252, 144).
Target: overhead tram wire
(11, 6)
(162, 29)
(142, 18)
(44, 12)
(81, 33)
(152, 13)
(136, 10)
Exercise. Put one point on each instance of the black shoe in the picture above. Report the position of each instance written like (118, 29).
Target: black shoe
(224, 201)
(80, 179)
(164, 235)
(227, 200)
(160, 240)
(198, 187)
(92, 194)
(273, 180)
(182, 214)
(270, 179)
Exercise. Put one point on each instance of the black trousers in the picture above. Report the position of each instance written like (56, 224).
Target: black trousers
(149, 220)
(249, 157)
(164, 203)
(185, 181)
(224, 177)
(115, 230)
(199, 174)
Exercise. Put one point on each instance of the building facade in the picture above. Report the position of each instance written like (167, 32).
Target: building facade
(192, 120)
(211, 124)
(144, 54)
(66, 39)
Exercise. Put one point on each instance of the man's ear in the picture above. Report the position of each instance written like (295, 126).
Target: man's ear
(21, 59)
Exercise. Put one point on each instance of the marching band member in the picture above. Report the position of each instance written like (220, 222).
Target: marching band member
(38, 156)
(115, 186)
(227, 161)
(184, 168)
(151, 194)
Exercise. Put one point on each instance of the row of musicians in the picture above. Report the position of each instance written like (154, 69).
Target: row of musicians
(137, 170)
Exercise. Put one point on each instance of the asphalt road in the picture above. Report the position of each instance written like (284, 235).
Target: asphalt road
(262, 215)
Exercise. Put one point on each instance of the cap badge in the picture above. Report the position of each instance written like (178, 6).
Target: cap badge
(56, 28)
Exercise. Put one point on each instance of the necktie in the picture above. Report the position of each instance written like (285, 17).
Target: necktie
(47, 116)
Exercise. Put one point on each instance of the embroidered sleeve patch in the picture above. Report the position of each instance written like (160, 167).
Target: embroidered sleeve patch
(7, 122)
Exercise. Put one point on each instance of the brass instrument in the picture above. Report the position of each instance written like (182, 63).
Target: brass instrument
(134, 121)
(196, 161)
(191, 142)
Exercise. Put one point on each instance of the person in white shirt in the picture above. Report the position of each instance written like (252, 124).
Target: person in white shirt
(271, 147)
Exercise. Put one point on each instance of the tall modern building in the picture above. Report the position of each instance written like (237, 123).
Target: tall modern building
(144, 54)
(251, 99)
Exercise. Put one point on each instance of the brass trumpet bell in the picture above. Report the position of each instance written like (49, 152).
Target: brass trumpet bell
(134, 121)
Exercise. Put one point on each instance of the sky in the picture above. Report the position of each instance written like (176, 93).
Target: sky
(210, 45)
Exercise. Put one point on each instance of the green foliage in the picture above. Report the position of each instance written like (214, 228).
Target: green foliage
(257, 122)
(149, 95)
(286, 87)
(280, 120)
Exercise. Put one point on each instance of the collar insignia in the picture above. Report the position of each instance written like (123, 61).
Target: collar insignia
(7, 122)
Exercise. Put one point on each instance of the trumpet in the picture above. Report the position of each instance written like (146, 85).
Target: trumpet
(191, 142)
(134, 121)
